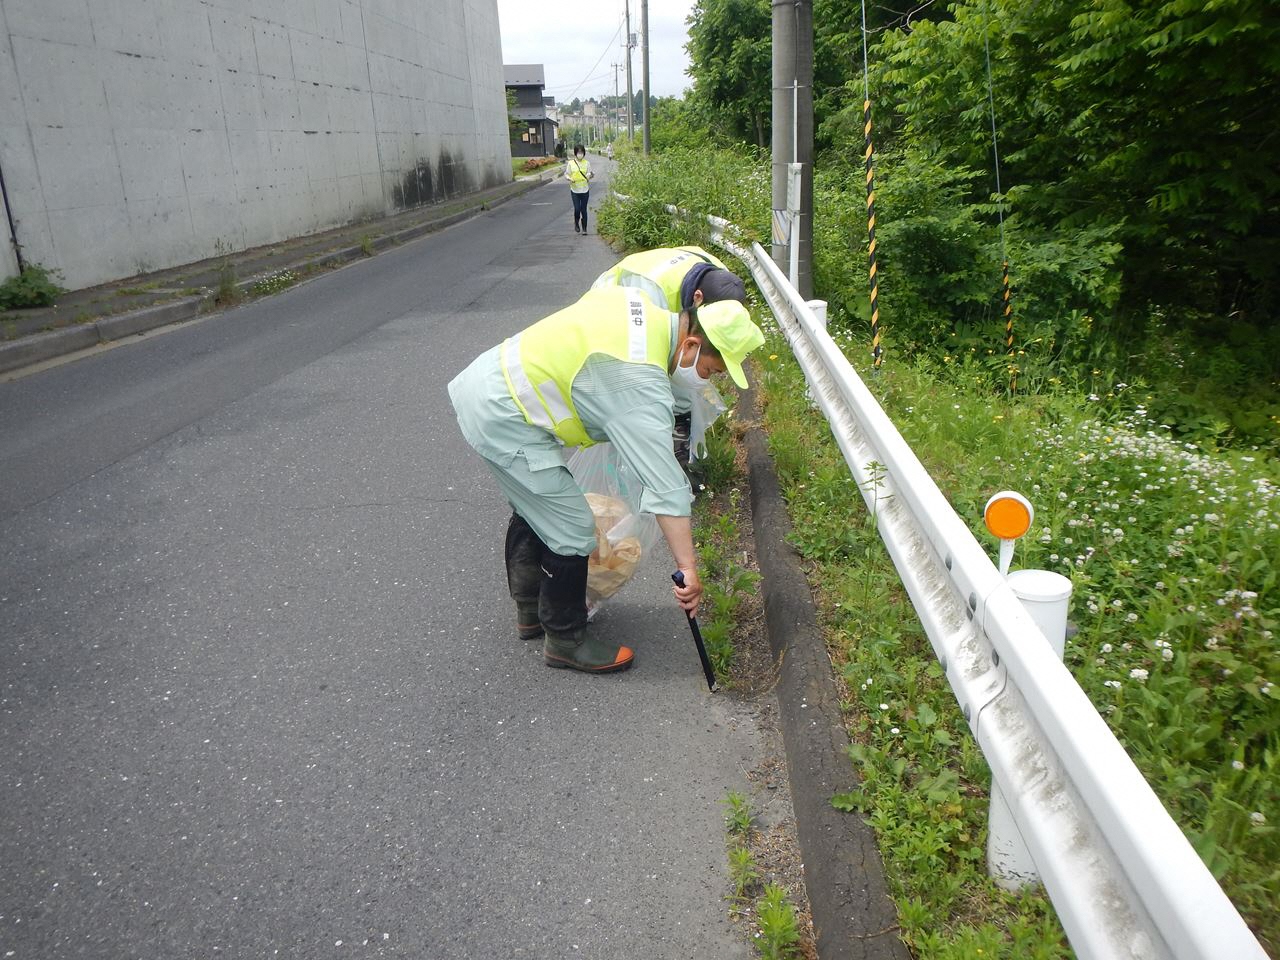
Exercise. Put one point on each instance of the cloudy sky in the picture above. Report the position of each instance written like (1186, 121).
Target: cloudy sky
(578, 42)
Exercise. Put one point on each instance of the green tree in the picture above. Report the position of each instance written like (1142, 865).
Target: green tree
(729, 60)
(676, 122)
(514, 127)
(1150, 121)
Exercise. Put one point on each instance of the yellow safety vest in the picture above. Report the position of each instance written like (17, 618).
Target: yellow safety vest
(578, 171)
(659, 273)
(541, 361)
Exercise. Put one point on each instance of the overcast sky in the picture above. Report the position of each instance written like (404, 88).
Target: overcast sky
(578, 42)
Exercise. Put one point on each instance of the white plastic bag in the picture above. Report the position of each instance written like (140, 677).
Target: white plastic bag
(706, 406)
(623, 533)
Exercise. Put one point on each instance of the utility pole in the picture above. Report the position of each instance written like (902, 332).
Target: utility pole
(644, 71)
(631, 125)
(792, 144)
(616, 98)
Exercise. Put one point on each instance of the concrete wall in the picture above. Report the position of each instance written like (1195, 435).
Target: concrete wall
(139, 134)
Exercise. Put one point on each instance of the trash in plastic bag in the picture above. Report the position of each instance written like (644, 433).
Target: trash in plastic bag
(614, 559)
(623, 533)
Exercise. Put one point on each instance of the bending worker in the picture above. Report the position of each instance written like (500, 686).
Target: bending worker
(678, 278)
(607, 368)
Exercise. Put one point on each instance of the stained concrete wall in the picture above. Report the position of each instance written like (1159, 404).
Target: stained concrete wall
(138, 134)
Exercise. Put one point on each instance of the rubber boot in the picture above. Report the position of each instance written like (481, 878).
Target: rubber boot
(680, 438)
(562, 608)
(524, 575)
(680, 443)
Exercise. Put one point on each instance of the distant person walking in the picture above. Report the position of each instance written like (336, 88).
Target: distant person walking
(578, 172)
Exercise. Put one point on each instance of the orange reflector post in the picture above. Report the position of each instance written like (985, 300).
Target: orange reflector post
(1008, 515)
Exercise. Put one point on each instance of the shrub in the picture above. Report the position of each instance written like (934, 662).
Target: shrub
(34, 287)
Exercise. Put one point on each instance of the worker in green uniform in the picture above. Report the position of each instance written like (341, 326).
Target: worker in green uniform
(607, 368)
(678, 278)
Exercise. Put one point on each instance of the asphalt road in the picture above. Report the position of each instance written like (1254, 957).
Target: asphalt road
(260, 693)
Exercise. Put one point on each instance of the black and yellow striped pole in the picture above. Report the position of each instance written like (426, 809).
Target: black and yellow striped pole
(1008, 327)
(871, 239)
(876, 352)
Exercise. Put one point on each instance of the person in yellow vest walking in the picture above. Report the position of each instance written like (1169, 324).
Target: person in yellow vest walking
(579, 174)
(679, 278)
(607, 368)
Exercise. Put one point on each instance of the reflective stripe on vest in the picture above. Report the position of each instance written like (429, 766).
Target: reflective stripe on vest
(637, 330)
(520, 387)
(618, 277)
(560, 345)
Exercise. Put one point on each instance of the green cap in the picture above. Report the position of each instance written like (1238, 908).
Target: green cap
(733, 333)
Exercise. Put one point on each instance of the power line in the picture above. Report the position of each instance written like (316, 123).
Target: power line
(588, 78)
(598, 76)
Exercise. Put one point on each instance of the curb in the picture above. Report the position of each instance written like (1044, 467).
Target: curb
(35, 348)
(853, 915)
(138, 321)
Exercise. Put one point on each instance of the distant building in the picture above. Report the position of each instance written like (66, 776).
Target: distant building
(534, 133)
(593, 121)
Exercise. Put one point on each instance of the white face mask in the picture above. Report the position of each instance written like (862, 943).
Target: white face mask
(687, 378)
(696, 393)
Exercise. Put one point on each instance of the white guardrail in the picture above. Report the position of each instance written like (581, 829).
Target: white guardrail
(1123, 879)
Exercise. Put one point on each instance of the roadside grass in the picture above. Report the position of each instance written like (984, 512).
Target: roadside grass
(139, 289)
(274, 283)
(726, 581)
(777, 928)
(1171, 550)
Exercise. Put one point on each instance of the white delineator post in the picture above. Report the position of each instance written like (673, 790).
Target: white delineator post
(1045, 596)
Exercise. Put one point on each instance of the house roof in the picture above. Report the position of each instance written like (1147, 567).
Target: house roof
(531, 114)
(523, 75)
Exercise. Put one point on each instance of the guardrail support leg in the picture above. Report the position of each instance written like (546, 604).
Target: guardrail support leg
(819, 308)
(1045, 596)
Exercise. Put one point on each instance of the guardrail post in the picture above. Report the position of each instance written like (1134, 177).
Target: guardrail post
(819, 308)
(1045, 596)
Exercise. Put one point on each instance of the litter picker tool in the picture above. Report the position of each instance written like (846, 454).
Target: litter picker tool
(707, 672)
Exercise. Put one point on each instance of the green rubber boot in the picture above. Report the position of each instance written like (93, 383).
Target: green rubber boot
(578, 651)
(528, 626)
(562, 609)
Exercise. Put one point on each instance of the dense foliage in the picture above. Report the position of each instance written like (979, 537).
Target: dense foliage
(729, 53)
(1139, 171)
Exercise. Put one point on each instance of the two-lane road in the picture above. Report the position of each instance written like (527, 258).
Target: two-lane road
(259, 690)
